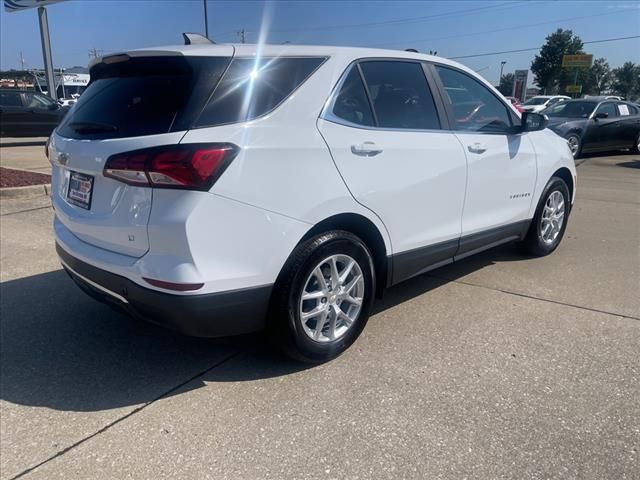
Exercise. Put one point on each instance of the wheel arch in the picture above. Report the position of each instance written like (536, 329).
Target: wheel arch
(368, 232)
(565, 174)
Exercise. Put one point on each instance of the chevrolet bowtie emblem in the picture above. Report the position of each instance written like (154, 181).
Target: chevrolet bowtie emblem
(63, 158)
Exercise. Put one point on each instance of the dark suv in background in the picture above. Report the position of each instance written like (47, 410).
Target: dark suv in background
(26, 113)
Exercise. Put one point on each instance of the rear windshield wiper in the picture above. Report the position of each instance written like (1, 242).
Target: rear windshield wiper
(90, 127)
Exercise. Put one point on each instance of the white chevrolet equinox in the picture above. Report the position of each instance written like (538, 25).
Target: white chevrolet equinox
(227, 189)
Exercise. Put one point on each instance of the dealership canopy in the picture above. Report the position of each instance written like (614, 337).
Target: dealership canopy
(17, 5)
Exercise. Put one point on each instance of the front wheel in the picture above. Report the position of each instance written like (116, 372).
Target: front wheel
(323, 296)
(573, 140)
(550, 220)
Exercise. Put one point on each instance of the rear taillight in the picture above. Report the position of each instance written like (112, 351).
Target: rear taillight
(194, 166)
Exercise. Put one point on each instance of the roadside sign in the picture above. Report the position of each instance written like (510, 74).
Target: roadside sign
(18, 5)
(574, 89)
(520, 84)
(577, 61)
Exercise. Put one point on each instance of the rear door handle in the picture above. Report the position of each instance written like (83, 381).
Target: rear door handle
(367, 149)
(477, 148)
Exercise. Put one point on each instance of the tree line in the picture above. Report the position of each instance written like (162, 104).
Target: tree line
(599, 79)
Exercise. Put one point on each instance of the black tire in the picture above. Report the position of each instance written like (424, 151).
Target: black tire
(533, 242)
(285, 325)
(636, 147)
(574, 137)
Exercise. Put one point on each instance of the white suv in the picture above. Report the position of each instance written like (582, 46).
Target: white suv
(226, 189)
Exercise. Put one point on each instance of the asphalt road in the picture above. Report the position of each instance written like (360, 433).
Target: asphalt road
(498, 367)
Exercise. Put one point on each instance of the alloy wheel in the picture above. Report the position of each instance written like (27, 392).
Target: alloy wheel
(552, 218)
(332, 298)
(574, 144)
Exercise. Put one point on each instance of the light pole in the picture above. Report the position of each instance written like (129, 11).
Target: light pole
(501, 68)
(206, 21)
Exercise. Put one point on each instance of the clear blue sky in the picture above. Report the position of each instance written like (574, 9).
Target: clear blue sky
(453, 28)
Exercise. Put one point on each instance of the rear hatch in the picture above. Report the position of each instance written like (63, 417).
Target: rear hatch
(134, 101)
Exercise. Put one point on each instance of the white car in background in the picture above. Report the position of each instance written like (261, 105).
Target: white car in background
(540, 102)
(226, 189)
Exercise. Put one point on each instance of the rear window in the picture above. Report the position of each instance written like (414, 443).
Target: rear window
(252, 88)
(143, 96)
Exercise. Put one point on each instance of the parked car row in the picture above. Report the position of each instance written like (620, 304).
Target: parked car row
(590, 124)
(25, 113)
(595, 125)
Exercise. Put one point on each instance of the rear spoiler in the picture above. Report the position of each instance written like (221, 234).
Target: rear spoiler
(196, 39)
(189, 39)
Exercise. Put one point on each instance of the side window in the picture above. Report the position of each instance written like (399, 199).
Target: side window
(251, 88)
(351, 103)
(609, 108)
(474, 106)
(37, 102)
(625, 110)
(400, 95)
(10, 99)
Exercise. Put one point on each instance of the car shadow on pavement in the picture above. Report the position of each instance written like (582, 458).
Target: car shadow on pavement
(630, 164)
(62, 350)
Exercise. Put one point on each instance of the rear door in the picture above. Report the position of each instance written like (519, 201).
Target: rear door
(386, 138)
(501, 165)
(11, 108)
(131, 103)
(630, 120)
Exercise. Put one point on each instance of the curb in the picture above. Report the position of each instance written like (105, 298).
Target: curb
(28, 191)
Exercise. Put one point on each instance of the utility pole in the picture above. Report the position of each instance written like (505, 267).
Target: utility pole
(242, 35)
(46, 52)
(21, 61)
(206, 20)
(502, 63)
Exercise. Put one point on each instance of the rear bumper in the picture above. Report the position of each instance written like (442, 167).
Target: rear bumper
(219, 314)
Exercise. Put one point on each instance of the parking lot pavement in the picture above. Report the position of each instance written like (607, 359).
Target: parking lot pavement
(25, 157)
(499, 367)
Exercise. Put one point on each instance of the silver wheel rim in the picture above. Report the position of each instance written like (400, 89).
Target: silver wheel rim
(573, 144)
(552, 217)
(332, 298)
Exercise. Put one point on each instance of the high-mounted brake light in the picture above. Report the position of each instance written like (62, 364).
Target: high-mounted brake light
(192, 166)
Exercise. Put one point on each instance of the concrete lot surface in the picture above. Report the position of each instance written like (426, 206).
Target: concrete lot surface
(25, 157)
(498, 367)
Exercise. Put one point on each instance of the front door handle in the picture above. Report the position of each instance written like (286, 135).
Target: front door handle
(477, 148)
(367, 149)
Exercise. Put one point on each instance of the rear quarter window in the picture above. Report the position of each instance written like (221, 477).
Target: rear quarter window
(251, 88)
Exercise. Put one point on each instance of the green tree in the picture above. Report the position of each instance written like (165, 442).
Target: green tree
(598, 77)
(547, 66)
(626, 80)
(506, 84)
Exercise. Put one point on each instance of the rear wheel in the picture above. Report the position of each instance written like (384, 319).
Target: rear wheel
(322, 298)
(573, 140)
(636, 147)
(550, 221)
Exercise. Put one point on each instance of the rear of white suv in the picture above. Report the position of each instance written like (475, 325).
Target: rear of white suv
(221, 190)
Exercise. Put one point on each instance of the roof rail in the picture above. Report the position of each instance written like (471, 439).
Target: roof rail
(196, 39)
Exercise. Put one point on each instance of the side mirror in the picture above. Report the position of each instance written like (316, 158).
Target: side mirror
(533, 122)
(601, 115)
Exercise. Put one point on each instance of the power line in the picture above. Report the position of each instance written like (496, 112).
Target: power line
(538, 48)
(516, 27)
(453, 13)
